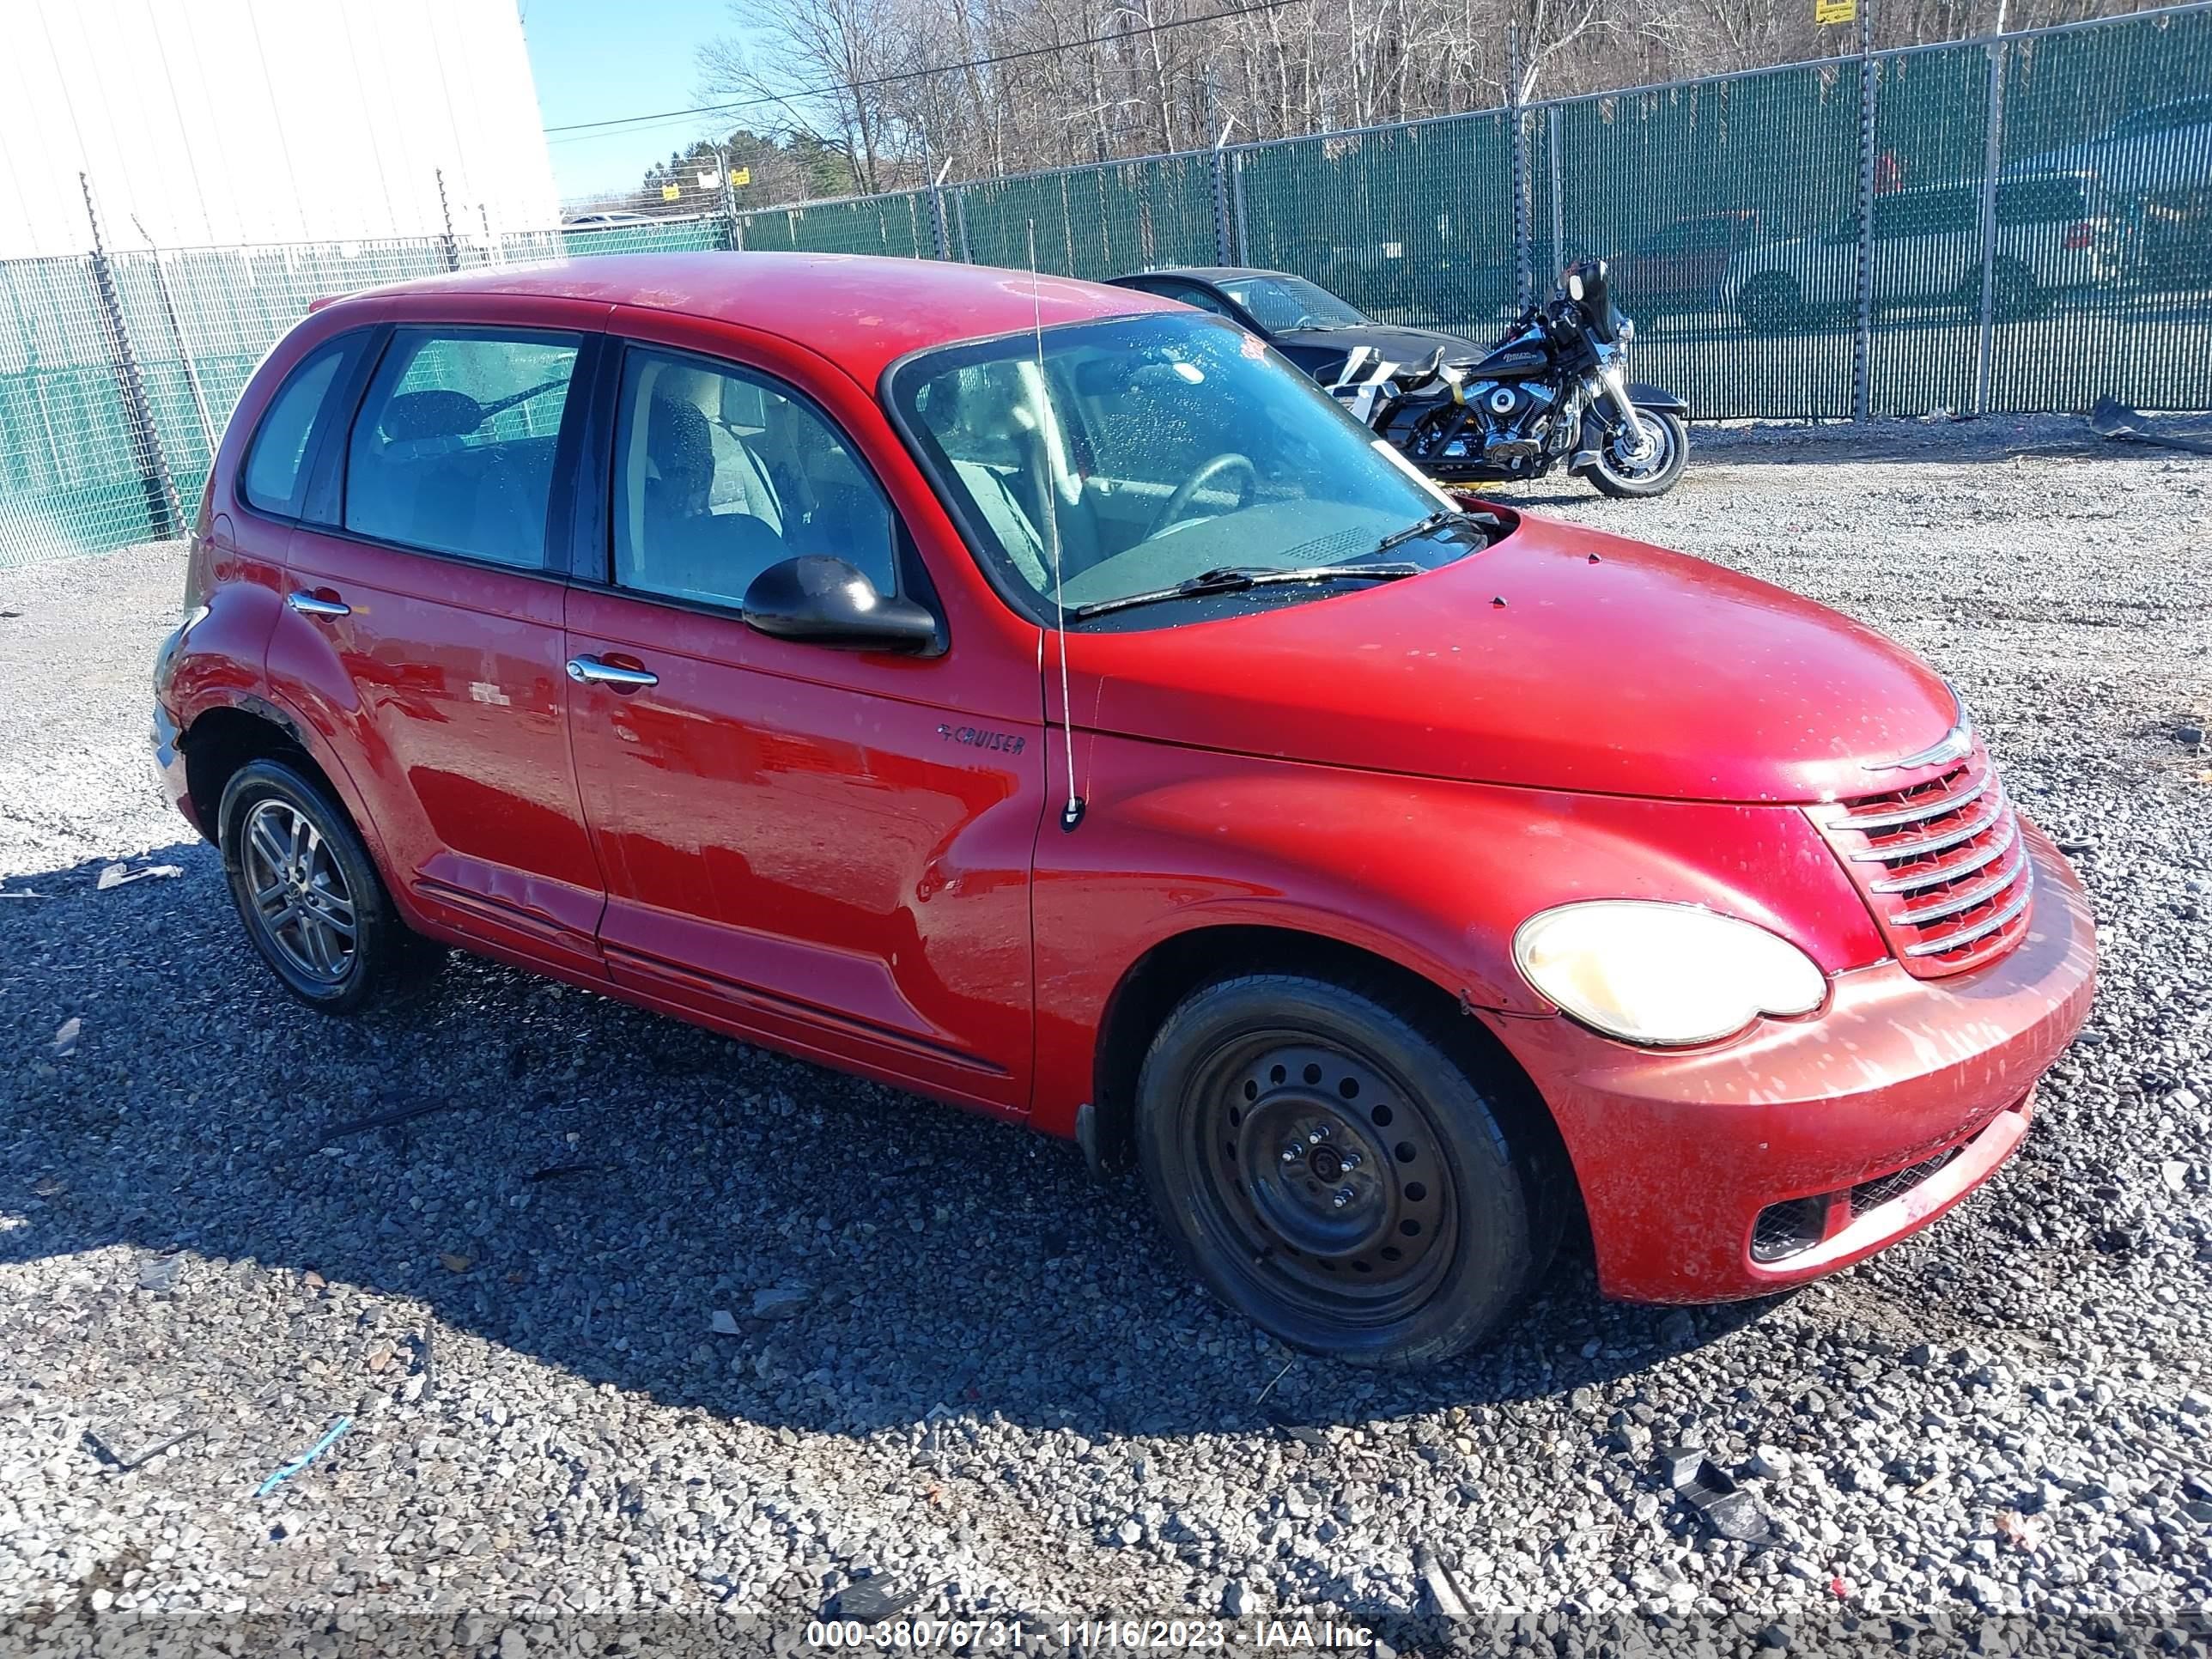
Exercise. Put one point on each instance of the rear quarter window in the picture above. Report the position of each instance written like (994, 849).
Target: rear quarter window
(277, 456)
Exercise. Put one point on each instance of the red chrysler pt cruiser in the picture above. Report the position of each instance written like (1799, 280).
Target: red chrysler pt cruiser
(1041, 696)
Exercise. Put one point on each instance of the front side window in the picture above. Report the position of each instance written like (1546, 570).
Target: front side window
(271, 476)
(453, 451)
(1143, 451)
(1282, 303)
(720, 473)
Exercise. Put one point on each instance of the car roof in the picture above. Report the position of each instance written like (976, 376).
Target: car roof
(861, 310)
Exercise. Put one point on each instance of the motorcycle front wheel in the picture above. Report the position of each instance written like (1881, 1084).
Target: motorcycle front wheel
(1626, 476)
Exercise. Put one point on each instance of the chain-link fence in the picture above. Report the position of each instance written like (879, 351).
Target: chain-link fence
(1996, 226)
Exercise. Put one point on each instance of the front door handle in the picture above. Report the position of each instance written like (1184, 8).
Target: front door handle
(588, 671)
(308, 605)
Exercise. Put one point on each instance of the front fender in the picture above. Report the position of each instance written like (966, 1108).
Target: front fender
(1433, 875)
(1644, 395)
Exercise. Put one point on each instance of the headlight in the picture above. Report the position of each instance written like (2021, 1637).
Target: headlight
(1667, 974)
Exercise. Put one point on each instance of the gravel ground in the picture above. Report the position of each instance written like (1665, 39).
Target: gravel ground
(948, 1363)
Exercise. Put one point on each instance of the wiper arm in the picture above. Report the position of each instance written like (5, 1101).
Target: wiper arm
(1237, 579)
(1434, 522)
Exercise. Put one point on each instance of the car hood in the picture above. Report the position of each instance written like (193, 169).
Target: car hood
(1397, 345)
(1558, 658)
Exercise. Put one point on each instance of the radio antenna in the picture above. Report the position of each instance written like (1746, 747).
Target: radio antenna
(1071, 814)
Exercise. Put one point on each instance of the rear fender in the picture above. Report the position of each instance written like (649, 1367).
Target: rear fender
(303, 735)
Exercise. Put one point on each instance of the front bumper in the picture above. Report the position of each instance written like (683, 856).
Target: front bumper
(169, 767)
(1678, 1153)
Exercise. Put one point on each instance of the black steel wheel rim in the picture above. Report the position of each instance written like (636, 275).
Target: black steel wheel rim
(1323, 1180)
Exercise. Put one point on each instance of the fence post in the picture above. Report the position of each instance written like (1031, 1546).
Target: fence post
(1224, 231)
(1236, 202)
(1522, 254)
(184, 347)
(164, 512)
(1992, 151)
(1559, 215)
(731, 239)
(1862, 335)
(446, 212)
(960, 215)
(941, 232)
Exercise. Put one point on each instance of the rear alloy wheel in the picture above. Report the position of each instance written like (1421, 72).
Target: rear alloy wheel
(300, 893)
(311, 900)
(1334, 1174)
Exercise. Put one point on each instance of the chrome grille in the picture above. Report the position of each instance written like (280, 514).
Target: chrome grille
(1942, 866)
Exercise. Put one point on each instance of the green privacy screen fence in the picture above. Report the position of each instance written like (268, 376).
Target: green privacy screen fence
(1995, 226)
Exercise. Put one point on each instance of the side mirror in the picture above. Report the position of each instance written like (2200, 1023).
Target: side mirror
(826, 601)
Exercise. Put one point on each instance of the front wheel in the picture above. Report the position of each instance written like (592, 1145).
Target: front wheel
(1332, 1170)
(1624, 473)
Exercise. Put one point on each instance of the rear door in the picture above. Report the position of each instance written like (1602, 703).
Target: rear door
(825, 848)
(422, 629)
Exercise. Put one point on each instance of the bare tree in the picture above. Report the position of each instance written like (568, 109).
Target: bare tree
(898, 88)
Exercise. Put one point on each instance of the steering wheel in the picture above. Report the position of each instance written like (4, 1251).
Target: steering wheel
(1179, 503)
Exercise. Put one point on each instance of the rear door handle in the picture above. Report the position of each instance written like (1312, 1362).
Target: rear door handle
(588, 671)
(308, 605)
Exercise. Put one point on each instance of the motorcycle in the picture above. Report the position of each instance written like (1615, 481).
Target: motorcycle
(1554, 389)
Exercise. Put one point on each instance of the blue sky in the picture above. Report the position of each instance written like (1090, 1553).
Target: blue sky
(593, 59)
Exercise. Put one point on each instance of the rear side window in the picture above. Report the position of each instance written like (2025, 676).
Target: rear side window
(278, 454)
(453, 451)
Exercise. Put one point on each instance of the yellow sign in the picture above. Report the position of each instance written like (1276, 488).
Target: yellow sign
(740, 176)
(670, 194)
(1825, 12)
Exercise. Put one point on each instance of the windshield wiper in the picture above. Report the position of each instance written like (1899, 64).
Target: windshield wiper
(1440, 518)
(1235, 579)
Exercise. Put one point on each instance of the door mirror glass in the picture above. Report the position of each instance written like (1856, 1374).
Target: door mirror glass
(825, 600)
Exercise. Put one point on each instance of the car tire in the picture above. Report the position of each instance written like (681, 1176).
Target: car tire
(1454, 1176)
(1771, 304)
(2015, 296)
(301, 877)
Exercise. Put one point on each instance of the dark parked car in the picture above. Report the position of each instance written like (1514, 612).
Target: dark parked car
(1314, 328)
(1678, 265)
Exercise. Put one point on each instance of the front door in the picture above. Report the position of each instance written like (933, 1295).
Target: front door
(423, 629)
(812, 846)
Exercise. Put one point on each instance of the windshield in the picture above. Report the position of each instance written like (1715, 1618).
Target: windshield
(1280, 303)
(1157, 448)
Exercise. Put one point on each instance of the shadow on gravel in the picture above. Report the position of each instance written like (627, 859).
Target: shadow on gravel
(589, 1184)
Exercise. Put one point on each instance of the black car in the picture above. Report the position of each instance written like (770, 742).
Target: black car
(1305, 322)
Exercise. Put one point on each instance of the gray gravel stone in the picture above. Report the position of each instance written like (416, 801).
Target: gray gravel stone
(547, 1439)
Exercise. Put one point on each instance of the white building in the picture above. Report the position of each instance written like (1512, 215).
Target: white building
(217, 122)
